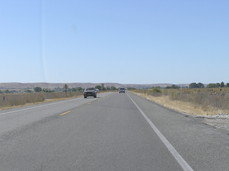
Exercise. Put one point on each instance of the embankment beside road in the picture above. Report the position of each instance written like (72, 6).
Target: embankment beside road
(205, 101)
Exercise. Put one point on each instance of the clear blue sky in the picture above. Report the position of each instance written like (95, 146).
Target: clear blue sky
(125, 41)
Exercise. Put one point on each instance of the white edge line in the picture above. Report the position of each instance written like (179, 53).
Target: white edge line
(185, 166)
(42, 105)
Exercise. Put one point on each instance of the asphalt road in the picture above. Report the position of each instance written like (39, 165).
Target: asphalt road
(115, 132)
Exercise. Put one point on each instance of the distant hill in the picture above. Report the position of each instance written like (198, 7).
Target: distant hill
(18, 86)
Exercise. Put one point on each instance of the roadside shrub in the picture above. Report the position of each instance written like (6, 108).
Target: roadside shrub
(154, 92)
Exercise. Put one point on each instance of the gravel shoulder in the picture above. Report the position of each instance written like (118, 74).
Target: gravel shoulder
(220, 121)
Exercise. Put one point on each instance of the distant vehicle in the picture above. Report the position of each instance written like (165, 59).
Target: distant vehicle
(122, 90)
(90, 92)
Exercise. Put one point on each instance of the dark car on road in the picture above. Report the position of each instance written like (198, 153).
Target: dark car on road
(121, 90)
(90, 92)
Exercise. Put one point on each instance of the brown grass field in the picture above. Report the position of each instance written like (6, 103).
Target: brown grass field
(14, 100)
(204, 101)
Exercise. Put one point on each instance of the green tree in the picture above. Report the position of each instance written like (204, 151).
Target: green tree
(193, 85)
(37, 89)
(46, 90)
(28, 91)
(222, 84)
(131, 88)
(196, 85)
(99, 87)
(113, 88)
(200, 85)
(77, 89)
(7, 91)
(213, 85)
(172, 87)
(74, 89)
(65, 88)
(175, 86)
(103, 87)
(217, 84)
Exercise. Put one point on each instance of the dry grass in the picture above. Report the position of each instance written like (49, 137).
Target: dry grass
(17, 100)
(191, 101)
(217, 97)
(9, 101)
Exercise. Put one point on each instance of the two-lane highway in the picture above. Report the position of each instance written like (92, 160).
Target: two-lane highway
(115, 132)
